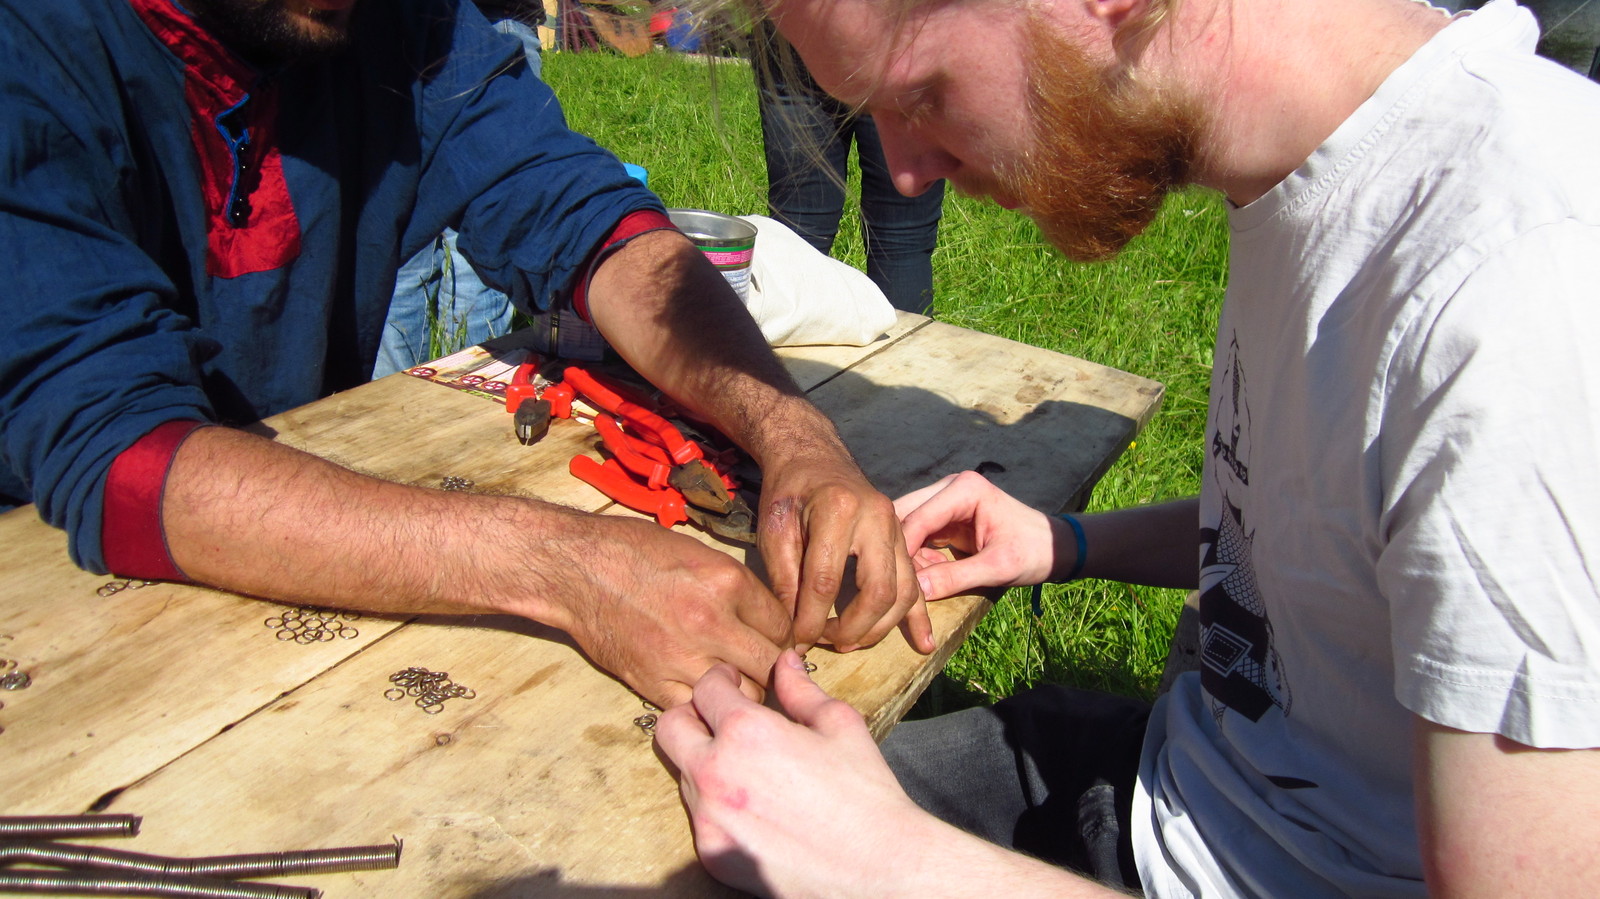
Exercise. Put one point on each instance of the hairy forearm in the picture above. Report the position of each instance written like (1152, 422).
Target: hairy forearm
(246, 514)
(1152, 545)
(671, 315)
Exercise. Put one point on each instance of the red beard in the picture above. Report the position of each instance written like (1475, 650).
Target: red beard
(1108, 151)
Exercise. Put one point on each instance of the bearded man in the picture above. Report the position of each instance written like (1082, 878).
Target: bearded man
(1400, 622)
(203, 209)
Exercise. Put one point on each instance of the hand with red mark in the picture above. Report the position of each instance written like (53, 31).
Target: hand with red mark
(806, 806)
(771, 799)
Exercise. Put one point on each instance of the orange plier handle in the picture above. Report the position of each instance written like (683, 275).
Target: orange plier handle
(611, 479)
(649, 425)
(641, 457)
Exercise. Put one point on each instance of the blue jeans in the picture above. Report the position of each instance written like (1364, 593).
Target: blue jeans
(807, 194)
(440, 304)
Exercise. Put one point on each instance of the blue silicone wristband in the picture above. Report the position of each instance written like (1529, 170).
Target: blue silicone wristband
(1082, 544)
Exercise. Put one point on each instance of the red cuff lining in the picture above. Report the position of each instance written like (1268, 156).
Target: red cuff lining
(632, 225)
(131, 536)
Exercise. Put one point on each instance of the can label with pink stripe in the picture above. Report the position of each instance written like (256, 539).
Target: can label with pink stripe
(727, 241)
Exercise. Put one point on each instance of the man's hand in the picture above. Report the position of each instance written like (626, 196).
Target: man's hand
(817, 512)
(652, 607)
(807, 807)
(1002, 542)
(785, 807)
(668, 312)
(657, 609)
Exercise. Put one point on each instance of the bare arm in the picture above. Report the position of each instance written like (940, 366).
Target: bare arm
(655, 608)
(808, 807)
(1497, 818)
(674, 318)
(1003, 543)
(1156, 545)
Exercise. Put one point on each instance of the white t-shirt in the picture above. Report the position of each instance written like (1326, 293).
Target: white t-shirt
(1401, 507)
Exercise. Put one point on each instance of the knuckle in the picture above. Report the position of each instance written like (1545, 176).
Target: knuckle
(699, 618)
(824, 583)
(969, 478)
(838, 713)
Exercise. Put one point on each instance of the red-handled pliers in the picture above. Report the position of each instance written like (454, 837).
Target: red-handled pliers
(609, 478)
(653, 448)
(530, 409)
(652, 426)
(666, 504)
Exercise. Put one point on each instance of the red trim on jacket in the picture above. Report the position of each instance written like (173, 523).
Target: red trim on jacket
(632, 225)
(250, 219)
(131, 535)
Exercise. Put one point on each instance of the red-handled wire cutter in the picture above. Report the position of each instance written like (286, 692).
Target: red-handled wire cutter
(532, 405)
(651, 447)
(666, 504)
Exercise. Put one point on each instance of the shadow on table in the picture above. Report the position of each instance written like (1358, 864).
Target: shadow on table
(1046, 452)
(691, 880)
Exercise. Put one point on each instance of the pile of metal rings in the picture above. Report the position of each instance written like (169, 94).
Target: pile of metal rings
(12, 679)
(309, 624)
(112, 588)
(430, 689)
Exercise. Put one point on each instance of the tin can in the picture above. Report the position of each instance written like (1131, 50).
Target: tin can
(729, 242)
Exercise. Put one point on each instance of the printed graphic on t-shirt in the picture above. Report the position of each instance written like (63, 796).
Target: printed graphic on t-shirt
(1239, 667)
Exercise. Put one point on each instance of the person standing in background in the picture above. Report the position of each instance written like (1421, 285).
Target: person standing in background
(807, 137)
(437, 290)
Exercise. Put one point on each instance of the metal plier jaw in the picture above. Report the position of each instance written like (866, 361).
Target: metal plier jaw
(645, 445)
(530, 410)
(666, 504)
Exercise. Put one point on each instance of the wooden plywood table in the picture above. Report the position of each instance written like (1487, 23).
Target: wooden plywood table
(181, 704)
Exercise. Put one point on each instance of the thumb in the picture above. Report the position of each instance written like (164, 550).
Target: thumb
(802, 699)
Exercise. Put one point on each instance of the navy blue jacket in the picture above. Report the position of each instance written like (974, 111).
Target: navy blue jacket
(187, 238)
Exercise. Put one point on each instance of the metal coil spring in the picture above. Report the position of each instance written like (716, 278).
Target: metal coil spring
(50, 827)
(108, 884)
(228, 867)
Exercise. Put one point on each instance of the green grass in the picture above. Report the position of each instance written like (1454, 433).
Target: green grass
(1152, 312)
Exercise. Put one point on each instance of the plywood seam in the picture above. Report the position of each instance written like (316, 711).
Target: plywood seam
(889, 344)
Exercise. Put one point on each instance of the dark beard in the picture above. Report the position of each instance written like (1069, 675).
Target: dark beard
(1107, 155)
(267, 34)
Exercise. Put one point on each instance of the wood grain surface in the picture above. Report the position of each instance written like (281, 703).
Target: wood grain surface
(181, 704)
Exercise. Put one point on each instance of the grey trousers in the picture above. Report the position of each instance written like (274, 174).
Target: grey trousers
(1048, 772)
